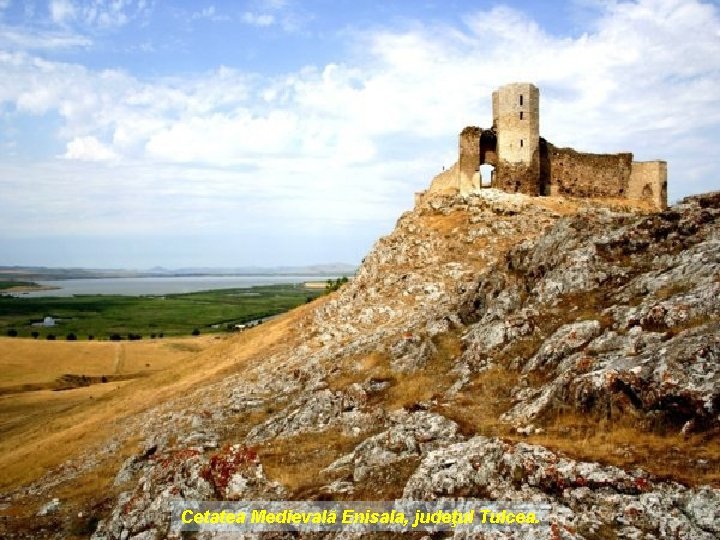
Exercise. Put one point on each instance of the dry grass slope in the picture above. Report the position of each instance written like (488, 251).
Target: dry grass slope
(51, 427)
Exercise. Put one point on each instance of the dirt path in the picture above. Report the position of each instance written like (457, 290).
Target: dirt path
(119, 358)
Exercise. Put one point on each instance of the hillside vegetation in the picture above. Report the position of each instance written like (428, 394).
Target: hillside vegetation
(104, 316)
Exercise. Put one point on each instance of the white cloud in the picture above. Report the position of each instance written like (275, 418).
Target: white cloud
(62, 11)
(223, 139)
(88, 149)
(280, 13)
(354, 138)
(209, 13)
(101, 14)
(258, 19)
(28, 39)
(273, 4)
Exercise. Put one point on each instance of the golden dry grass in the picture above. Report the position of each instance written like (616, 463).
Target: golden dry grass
(477, 408)
(47, 440)
(692, 460)
(296, 461)
(429, 381)
(34, 361)
(25, 361)
(21, 410)
(406, 389)
(359, 369)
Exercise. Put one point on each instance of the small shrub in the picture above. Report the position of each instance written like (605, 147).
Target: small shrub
(50, 337)
(12, 333)
(71, 337)
(115, 337)
(91, 337)
(196, 332)
(331, 286)
(35, 334)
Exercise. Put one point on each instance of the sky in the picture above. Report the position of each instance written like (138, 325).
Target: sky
(141, 133)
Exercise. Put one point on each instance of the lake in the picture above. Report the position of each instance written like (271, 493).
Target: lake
(161, 285)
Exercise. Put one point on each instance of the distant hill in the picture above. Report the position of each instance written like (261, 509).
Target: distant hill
(34, 273)
(314, 269)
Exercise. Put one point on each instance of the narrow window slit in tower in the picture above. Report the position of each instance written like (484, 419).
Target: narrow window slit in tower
(521, 115)
(521, 143)
(521, 100)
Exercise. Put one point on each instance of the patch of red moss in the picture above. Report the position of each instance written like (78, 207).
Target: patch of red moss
(228, 461)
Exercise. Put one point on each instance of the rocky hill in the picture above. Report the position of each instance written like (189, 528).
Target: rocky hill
(499, 346)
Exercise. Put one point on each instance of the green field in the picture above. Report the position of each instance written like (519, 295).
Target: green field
(11, 284)
(170, 315)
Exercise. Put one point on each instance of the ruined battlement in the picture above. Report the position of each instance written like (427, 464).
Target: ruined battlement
(526, 163)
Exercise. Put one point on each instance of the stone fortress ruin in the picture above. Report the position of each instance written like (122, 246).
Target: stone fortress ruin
(526, 163)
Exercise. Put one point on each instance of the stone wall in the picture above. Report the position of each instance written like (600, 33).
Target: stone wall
(552, 171)
(476, 146)
(468, 158)
(648, 181)
(568, 172)
(446, 182)
(519, 177)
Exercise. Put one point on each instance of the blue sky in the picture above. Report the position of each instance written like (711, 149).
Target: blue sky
(136, 133)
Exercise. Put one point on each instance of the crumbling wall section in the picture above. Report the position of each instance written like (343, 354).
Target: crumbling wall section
(468, 159)
(648, 182)
(446, 182)
(578, 174)
(519, 177)
(475, 147)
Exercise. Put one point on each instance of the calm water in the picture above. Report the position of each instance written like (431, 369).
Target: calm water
(161, 285)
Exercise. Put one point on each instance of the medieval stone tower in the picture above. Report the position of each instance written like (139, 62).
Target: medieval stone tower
(516, 120)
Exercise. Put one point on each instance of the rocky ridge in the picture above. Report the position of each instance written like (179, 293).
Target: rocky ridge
(567, 307)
